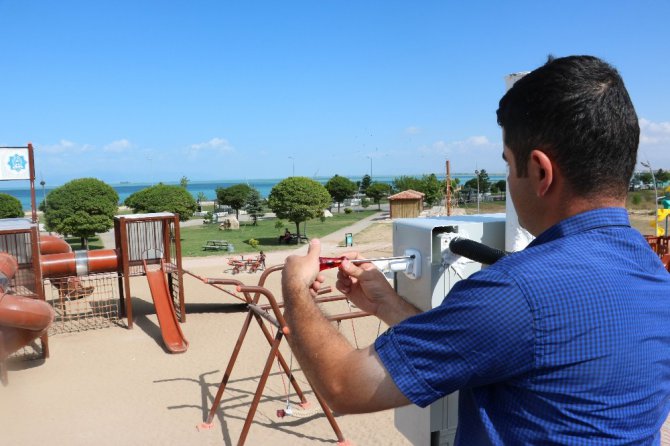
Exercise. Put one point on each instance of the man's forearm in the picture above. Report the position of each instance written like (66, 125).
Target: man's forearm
(396, 311)
(319, 347)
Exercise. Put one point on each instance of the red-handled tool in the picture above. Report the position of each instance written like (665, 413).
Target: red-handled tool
(334, 262)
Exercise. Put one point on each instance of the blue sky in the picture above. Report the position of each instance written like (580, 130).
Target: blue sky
(156, 90)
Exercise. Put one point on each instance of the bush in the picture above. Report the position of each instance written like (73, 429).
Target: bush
(253, 242)
(636, 199)
(348, 210)
(163, 198)
(10, 207)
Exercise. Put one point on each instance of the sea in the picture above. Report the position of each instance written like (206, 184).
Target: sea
(21, 190)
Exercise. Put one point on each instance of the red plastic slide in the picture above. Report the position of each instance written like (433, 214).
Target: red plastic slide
(167, 317)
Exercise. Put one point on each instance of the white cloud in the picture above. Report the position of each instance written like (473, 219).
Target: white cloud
(459, 146)
(412, 130)
(654, 132)
(217, 144)
(478, 141)
(64, 147)
(61, 146)
(120, 145)
(472, 152)
(655, 143)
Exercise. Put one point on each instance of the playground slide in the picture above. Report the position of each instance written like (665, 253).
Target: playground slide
(167, 318)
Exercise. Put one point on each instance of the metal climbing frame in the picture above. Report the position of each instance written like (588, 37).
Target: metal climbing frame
(150, 238)
(252, 296)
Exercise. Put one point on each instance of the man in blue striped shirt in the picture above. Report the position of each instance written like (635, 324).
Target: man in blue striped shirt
(565, 342)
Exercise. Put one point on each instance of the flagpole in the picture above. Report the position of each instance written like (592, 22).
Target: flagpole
(31, 160)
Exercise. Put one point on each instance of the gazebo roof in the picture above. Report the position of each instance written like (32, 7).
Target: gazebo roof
(408, 194)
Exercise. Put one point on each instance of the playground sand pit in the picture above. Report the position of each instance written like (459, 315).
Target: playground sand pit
(114, 386)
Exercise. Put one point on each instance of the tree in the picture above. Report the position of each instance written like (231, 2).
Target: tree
(10, 207)
(184, 182)
(433, 188)
(662, 175)
(298, 199)
(646, 177)
(365, 182)
(484, 182)
(340, 188)
(163, 198)
(82, 208)
(234, 196)
(406, 182)
(429, 185)
(376, 191)
(254, 205)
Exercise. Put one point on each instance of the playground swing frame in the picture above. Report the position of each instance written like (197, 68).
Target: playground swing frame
(260, 314)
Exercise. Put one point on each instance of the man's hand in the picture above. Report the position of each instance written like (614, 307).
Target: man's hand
(368, 289)
(302, 272)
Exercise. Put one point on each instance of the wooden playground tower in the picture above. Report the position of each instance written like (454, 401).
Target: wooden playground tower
(83, 285)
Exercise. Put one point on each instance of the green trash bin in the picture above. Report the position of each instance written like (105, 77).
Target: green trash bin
(348, 239)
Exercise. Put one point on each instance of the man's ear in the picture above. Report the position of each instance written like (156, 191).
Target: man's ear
(541, 171)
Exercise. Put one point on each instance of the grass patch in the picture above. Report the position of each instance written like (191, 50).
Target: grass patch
(93, 243)
(485, 207)
(642, 200)
(194, 237)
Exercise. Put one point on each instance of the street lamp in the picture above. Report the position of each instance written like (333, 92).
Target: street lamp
(477, 173)
(653, 178)
(293, 160)
(44, 194)
(370, 166)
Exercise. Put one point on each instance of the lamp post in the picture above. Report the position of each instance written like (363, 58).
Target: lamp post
(477, 173)
(653, 178)
(44, 194)
(293, 161)
(370, 166)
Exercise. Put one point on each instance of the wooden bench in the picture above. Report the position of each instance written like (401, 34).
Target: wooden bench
(215, 245)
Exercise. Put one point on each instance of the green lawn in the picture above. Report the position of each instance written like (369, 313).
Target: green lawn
(194, 237)
(75, 243)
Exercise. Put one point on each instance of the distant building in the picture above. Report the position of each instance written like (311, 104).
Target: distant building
(406, 204)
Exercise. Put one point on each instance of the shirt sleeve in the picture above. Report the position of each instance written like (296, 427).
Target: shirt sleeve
(482, 333)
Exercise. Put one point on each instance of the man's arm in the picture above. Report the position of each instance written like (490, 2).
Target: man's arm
(350, 380)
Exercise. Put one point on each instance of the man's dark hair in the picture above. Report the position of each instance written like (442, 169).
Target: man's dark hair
(577, 110)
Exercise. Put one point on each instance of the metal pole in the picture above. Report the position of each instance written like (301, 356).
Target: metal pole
(44, 193)
(448, 190)
(31, 159)
(477, 173)
(653, 178)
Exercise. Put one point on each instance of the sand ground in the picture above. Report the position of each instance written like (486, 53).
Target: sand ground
(117, 386)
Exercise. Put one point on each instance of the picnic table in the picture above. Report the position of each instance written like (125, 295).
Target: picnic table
(250, 264)
(216, 245)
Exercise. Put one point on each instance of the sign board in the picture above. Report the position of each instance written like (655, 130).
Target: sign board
(14, 164)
